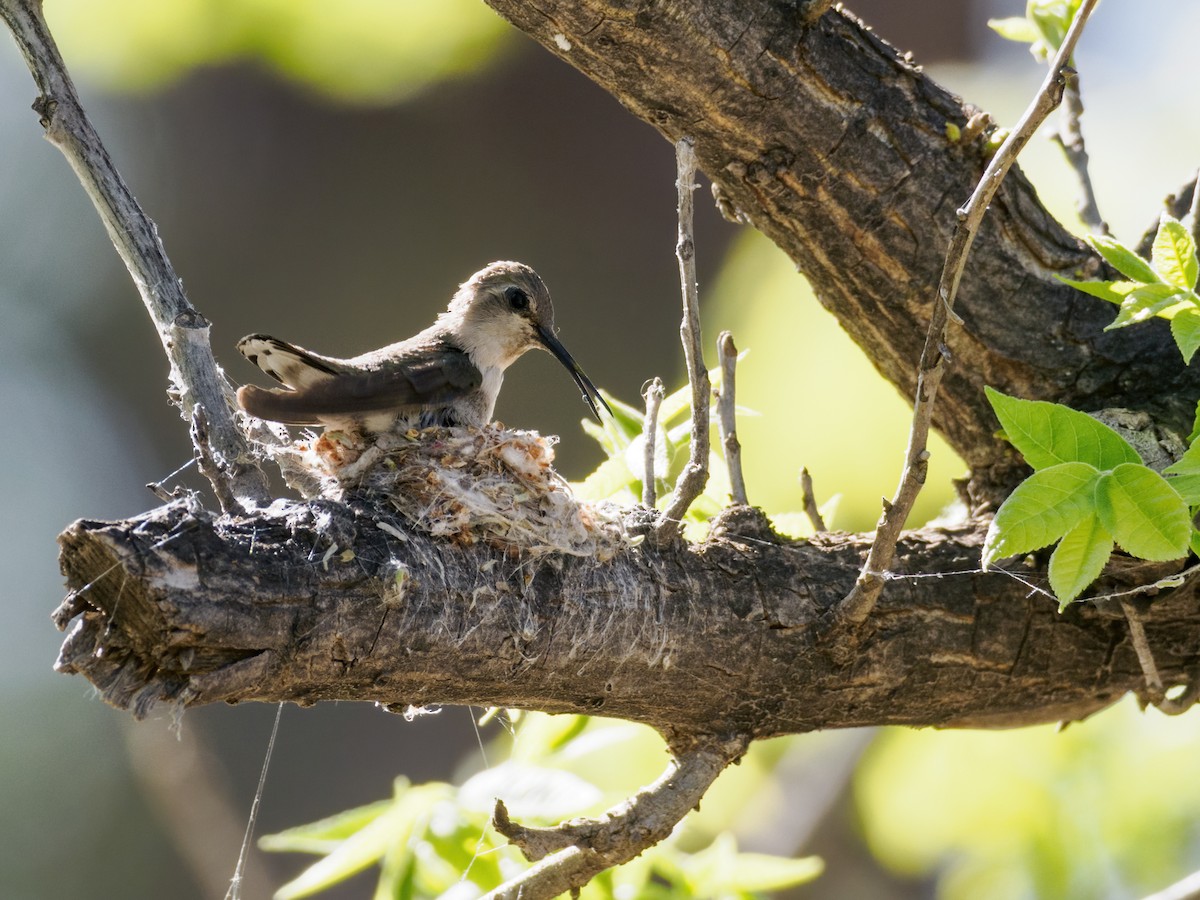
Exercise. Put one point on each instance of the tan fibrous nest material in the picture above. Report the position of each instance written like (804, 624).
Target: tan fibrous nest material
(468, 484)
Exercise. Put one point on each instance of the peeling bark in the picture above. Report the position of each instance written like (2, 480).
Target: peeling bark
(181, 607)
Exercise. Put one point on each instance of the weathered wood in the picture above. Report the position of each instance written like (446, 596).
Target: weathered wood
(181, 607)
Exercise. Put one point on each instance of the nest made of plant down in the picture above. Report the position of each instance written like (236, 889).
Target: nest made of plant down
(486, 484)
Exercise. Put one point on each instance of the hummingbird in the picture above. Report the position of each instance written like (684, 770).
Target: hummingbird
(448, 374)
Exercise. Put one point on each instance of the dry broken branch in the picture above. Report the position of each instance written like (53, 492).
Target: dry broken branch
(653, 395)
(1070, 137)
(200, 386)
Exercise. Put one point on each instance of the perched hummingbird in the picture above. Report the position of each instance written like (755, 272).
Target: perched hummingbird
(448, 374)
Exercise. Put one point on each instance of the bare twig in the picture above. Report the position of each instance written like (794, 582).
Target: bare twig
(574, 852)
(694, 476)
(857, 605)
(810, 502)
(195, 378)
(727, 418)
(1070, 137)
(1137, 636)
(653, 395)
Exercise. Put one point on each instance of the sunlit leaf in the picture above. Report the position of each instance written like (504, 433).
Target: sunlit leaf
(1123, 259)
(324, 835)
(1048, 434)
(1079, 559)
(1015, 28)
(1188, 464)
(1185, 328)
(608, 481)
(364, 848)
(1188, 487)
(1143, 513)
(529, 792)
(1042, 509)
(759, 872)
(1145, 302)
(1174, 254)
(1112, 291)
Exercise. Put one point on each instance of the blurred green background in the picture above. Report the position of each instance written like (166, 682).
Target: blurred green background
(328, 173)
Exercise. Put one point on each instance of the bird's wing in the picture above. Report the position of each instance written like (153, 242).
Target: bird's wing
(286, 363)
(429, 376)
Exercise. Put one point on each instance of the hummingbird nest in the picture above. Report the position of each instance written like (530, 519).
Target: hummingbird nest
(468, 484)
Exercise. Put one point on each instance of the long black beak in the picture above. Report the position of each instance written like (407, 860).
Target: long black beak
(590, 394)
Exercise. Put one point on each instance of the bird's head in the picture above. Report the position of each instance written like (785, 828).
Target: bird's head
(503, 310)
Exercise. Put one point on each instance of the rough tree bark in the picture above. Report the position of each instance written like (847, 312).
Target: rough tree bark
(836, 147)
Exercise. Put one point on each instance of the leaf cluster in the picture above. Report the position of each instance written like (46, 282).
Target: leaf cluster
(434, 838)
(1089, 491)
(1164, 287)
(1043, 26)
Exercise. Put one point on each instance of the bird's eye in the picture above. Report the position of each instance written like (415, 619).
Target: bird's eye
(516, 298)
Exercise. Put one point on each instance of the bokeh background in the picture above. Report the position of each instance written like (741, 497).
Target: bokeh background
(328, 172)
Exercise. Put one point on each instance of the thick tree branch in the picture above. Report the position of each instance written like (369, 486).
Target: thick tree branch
(183, 608)
(836, 148)
(198, 385)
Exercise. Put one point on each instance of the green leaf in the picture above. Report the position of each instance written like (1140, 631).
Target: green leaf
(1079, 559)
(760, 872)
(609, 479)
(1188, 487)
(1048, 434)
(1123, 259)
(1194, 542)
(1185, 475)
(1174, 254)
(1195, 432)
(1185, 328)
(1144, 514)
(1042, 509)
(1016, 28)
(1145, 302)
(324, 835)
(1188, 464)
(1112, 291)
(393, 829)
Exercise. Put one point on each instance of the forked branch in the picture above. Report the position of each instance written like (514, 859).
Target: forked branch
(571, 854)
(203, 393)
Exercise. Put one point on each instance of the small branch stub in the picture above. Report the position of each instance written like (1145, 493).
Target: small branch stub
(653, 395)
(727, 418)
(810, 502)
